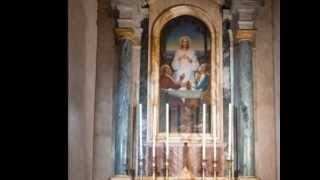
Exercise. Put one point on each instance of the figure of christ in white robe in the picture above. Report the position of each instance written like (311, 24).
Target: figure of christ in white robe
(185, 63)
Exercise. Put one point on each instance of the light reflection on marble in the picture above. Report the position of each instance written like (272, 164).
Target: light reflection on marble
(245, 109)
(143, 91)
(226, 80)
(226, 83)
(122, 109)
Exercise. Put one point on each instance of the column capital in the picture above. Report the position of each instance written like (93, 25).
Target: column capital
(128, 20)
(245, 35)
(127, 33)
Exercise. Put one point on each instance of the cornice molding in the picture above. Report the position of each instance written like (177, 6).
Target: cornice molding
(245, 12)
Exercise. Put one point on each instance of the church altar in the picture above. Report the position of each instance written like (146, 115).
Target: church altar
(179, 132)
(184, 178)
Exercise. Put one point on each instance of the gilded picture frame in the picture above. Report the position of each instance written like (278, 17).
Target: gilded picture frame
(214, 25)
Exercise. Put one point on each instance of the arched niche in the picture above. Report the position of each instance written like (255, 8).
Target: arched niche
(214, 27)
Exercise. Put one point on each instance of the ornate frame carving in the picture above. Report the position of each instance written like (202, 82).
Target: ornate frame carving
(214, 25)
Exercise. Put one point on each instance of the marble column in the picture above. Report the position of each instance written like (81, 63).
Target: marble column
(126, 98)
(226, 80)
(244, 103)
(143, 90)
(122, 104)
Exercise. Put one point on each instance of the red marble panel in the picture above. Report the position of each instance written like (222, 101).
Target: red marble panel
(180, 157)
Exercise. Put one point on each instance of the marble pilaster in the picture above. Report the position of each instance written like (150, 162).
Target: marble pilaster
(135, 126)
(143, 90)
(226, 80)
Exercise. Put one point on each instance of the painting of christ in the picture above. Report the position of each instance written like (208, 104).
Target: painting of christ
(185, 74)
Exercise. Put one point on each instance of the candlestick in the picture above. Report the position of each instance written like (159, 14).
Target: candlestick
(230, 131)
(154, 144)
(203, 140)
(167, 140)
(154, 133)
(140, 130)
(140, 142)
(214, 134)
(204, 132)
(167, 129)
(229, 164)
(214, 169)
(233, 145)
(232, 141)
(214, 142)
(203, 169)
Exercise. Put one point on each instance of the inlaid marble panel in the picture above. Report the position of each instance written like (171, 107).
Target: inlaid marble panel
(179, 158)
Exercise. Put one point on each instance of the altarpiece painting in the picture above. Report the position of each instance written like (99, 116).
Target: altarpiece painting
(184, 80)
(185, 73)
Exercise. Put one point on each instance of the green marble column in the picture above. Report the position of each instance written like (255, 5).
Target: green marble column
(244, 108)
(143, 92)
(122, 108)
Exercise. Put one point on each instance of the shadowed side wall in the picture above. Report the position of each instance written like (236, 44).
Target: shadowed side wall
(276, 56)
(106, 58)
(82, 40)
(264, 95)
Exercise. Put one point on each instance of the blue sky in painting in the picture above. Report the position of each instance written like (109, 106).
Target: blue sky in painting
(186, 28)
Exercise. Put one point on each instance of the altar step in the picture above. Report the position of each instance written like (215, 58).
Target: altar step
(181, 178)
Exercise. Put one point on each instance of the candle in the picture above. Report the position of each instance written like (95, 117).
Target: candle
(231, 64)
(214, 134)
(140, 129)
(204, 132)
(167, 130)
(230, 131)
(154, 133)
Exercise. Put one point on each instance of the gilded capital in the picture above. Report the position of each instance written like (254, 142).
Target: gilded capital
(127, 33)
(247, 35)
